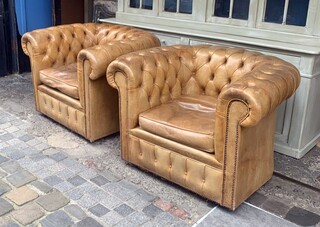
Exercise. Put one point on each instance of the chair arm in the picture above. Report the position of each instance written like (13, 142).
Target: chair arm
(100, 56)
(262, 90)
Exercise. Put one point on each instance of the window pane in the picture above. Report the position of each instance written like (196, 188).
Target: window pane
(146, 4)
(135, 3)
(170, 5)
(274, 11)
(221, 8)
(185, 6)
(297, 12)
(240, 9)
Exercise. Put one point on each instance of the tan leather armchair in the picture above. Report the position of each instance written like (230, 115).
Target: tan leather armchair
(69, 64)
(202, 116)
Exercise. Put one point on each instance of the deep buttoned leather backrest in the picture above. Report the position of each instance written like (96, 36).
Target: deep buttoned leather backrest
(60, 45)
(200, 70)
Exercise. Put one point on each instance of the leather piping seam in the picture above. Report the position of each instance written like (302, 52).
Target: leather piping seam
(236, 153)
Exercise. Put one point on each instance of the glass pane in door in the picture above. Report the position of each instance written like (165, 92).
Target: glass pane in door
(274, 11)
(185, 6)
(297, 12)
(170, 5)
(240, 9)
(146, 4)
(222, 8)
(135, 3)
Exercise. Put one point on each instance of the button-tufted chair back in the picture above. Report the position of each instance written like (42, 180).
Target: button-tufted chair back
(199, 70)
(60, 45)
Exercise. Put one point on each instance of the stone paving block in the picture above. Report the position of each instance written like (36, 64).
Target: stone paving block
(3, 174)
(33, 167)
(43, 173)
(12, 129)
(138, 218)
(65, 174)
(110, 201)
(52, 201)
(45, 223)
(22, 195)
(3, 159)
(137, 203)
(41, 186)
(5, 125)
(14, 142)
(57, 167)
(36, 157)
(46, 162)
(25, 161)
(26, 137)
(68, 162)
(64, 186)
(75, 193)
(99, 210)
(41, 146)
(75, 211)
(152, 211)
(5, 137)
(110, 176)
(53, 180)
(50, 151)
(28, 214)
(163, 205)
(275, 207)
(59, 218)
(5, 206)
(112, 218)
(122, 193)
(100, 180)
(58, 156)
(128, 185)
(16, 155)
(4, 187)
(124, 210)
(76, 180)
(77, 168)
(88, 222)
(180, 213)
(165, 219)
(33, 142)
(88, 174)
(125, 223)
(29, 151)
(146, 195)
(11, 166)
(98, 194)
(303, 217)
(86, 201)
(20, 178)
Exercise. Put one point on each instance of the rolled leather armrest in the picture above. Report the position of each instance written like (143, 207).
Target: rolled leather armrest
(100, 56)
(262, 90)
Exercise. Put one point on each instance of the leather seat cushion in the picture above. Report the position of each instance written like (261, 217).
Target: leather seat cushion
(186, 120)
(63, 78)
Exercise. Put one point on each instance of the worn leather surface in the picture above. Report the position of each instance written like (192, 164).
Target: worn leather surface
(248, 86)
(63, 78)
(187, 120)
(91, 47)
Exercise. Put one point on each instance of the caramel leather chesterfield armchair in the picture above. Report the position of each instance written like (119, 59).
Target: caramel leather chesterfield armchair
(202, 116)
(69, 64)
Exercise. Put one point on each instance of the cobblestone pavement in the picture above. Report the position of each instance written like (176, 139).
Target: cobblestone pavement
(41, 185)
